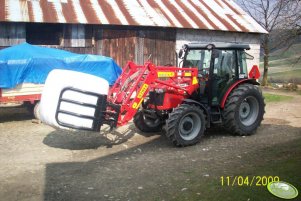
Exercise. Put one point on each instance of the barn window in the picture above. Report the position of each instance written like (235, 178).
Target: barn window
(43, 34)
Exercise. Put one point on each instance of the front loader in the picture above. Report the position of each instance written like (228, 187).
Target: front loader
(212, 86)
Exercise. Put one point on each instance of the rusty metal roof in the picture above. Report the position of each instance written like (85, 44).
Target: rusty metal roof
(224, 15)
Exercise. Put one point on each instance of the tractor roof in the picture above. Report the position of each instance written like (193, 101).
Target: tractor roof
(228, 46)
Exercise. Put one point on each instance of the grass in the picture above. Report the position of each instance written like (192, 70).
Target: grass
(282, 160)
(284, 53)
(287, 60)
(276, 98)
(293, 76)
(287, 74)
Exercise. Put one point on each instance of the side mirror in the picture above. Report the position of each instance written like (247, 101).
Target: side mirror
(215, 53)
(181, 53)
(248, 56)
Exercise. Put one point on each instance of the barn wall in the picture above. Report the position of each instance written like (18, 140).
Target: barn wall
(204, 36)
(126, 43)
(75, 38)
(158, 46)
(139, 45)
(79, 38)
(11, 34)
(120, 43)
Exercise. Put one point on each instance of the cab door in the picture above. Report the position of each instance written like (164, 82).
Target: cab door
(224, 73)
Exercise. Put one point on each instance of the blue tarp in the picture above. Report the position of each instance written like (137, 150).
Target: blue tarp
(31, 64)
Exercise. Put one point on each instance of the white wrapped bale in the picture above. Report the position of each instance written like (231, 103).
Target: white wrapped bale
(56, 82)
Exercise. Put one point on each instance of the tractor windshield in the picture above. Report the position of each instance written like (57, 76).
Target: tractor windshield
(198, 58)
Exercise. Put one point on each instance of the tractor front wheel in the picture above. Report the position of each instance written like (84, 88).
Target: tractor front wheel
(244, 110)
(147, 124)
(185, 125)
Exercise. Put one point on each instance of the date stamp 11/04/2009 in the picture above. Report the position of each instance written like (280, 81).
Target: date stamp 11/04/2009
(247, 180)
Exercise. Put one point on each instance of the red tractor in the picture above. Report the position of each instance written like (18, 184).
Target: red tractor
(212, 86)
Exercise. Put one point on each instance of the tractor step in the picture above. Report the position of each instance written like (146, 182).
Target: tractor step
(216, 121)
(215, 115)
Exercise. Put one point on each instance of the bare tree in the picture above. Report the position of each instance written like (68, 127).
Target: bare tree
(281, 15)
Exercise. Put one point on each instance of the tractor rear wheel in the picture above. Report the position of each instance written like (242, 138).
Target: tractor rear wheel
(147, 124)
(185, 125)
(244, 110)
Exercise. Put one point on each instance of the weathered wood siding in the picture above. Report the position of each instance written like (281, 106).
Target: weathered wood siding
(77, 35)
(204, 36)
(12, 34)
(119, 44)
(139, 45)
(78, 38)
(158, 45)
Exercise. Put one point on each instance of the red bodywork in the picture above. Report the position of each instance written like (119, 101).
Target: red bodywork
(136, 81)
(223, 102)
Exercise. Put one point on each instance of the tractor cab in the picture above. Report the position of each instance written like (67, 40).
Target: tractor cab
(219, 67)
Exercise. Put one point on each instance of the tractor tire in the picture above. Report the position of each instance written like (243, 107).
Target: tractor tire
(36, 111)
(145, 124)
(244, 110)
(185, 125)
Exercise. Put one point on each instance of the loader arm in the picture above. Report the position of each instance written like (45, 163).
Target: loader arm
(127, 94)
(130, 89)
(135, 82)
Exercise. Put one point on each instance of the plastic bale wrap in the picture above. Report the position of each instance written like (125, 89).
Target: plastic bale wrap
(56, 81)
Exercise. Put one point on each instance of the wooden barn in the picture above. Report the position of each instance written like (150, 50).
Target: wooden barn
(126, 29)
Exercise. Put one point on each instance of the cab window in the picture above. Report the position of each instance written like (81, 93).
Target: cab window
(225, 64)
(198, 58)
(242, 63)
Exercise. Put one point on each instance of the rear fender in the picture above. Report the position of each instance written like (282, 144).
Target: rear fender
(250, 81)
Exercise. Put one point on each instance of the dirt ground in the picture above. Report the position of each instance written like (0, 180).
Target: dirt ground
(41, 163)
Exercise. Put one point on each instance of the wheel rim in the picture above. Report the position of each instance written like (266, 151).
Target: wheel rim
(190, 126)
(248, 111)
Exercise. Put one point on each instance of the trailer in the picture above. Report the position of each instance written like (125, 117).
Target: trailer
(24, 69)
(27, 94)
